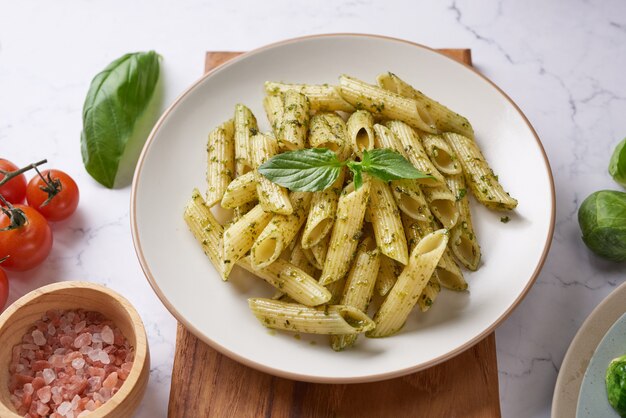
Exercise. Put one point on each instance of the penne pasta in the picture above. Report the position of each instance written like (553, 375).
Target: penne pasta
(430, 293)
(280, 232)
(361, 131)
(445, 119)
(385, 219)
(322, 213)
(414, 152)
(406, 291)
(295, 121)
(442, 204)
(299, 259)
(381, 103)
(221, 161)
(330, 319)
(319, 251)
(323, 97)
(245, 128)
(480, 177)
(290, 280)
(441, 155)
(462, 237)
(409, 198)
(388, 273)
(359, 286)
(240, 236)
(272, 197)
(244, 208)
(205, 228)
(274, 108)
(328, 130)
(240, 191)
(346, 232)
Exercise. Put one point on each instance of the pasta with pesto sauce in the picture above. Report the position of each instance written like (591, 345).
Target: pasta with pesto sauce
(361, 254)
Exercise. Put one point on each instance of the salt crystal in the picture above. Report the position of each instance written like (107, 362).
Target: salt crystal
(44, 394)
(51, 330)
(111, 381)
(49, 376)
(104, 357)
(80, 326)
(78, 363)
(96, 337)
(64, 408)
(105, 394)
(57, 398)
(42, 408)
(38, 337)
(75, 401)
(28, 388)
(30, 346)
(95, 383)
(90, 406)
(82, 340)
(107, 335)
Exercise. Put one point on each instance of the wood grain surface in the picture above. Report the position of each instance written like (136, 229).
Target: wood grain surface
(206, 383)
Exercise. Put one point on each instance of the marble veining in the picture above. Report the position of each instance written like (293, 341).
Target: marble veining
(562, 62)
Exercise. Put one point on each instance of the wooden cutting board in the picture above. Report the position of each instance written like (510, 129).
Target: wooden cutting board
(206, 383)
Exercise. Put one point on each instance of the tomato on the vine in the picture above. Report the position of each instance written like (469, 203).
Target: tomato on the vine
(56, 197)
(13, 190)
(4, 289)
(29, 243)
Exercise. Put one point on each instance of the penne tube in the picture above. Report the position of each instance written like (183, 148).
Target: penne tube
(388, 273)
(430, 293)
(322, 213)
(359, 286)
(295, 121)
(280, 232)
(241, 210)
(328, 130)
(290, 280)
(409, 198)
(240, 191)
(220, 161)
(414, 152)
(324, 97)
(330, 320)
(299, 259)
(442, 204)
(240, 236)
(361, 131)
(308, 254)
(462, 237)
(205, 228)
(405, 293)
(245, 128)
(381, 103)
(274, 107)
(385, 219)
(272, 197)
(445, 119)
(319, 251)
(346, 232)
(479, 176)
(441, 155)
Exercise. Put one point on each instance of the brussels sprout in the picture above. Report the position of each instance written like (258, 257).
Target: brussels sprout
(602, 220)
(616, 384)
(617, 166)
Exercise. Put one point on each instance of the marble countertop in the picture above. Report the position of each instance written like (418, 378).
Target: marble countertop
(562, 62)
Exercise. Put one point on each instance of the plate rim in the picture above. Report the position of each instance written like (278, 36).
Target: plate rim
(326, 379)
(562, 406)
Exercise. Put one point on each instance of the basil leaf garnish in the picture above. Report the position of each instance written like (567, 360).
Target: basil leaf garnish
(315, 169)
(305, 170)
(119, 111)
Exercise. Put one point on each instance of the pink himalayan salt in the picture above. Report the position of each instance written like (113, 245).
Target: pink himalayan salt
(77, 358)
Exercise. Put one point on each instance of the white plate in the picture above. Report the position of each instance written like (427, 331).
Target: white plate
(173, 162)
(601, 338)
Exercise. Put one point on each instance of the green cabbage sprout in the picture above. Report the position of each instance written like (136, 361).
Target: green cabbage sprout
(602, 220)
(617, 166)
(616, 384)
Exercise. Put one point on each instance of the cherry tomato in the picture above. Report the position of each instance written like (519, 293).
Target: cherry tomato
(63, 190)
(4, 289)
(27, 245)
(13, 190)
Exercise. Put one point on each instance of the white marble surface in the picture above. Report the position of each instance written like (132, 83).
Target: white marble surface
(562, 61)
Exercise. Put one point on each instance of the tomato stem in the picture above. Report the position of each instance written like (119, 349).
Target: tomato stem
(52, 186)
(8, 175)
(16, 216)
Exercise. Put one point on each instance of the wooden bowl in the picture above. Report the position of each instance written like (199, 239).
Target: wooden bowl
(22, 314)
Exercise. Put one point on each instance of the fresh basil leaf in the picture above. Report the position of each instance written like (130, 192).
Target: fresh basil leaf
(388, 165)
(356, 168)
(305, 170)
(118, 113)
(617, 166)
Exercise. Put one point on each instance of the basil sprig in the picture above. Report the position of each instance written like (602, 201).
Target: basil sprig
(120, 109)
(315, 169)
